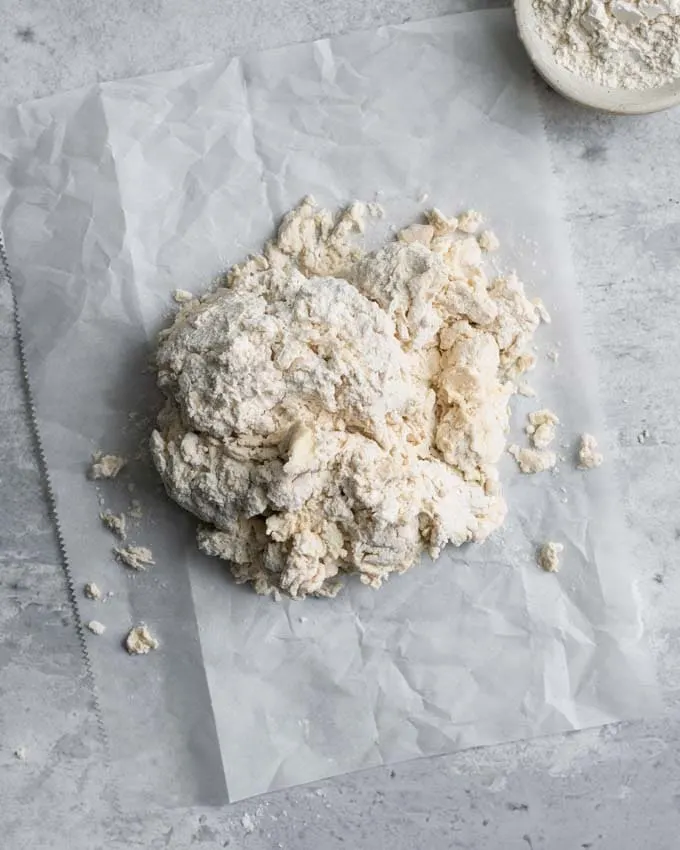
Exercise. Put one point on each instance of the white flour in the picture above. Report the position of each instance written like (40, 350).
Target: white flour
(631, 44)
(330, 412)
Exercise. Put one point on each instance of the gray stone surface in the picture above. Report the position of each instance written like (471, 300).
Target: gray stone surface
(617, 787)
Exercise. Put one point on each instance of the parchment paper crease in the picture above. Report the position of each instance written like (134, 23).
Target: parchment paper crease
(114, 195)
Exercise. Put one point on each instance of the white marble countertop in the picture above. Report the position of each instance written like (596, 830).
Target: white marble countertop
(617, 787)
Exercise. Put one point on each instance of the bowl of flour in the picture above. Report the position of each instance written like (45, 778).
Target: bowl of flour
(619, 56)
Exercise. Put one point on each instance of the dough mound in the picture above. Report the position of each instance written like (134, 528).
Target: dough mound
(330, 412)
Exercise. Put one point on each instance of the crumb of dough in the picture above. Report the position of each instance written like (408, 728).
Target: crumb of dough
(331, 411)
(526, 390)
(422, 233)
(588, 455)
(182, 296)
(135, 511)
(105, 466)
(92, 591)
(96, 627)
(441, 223)
(114, 522)
(541, 428)
(135, 557)
(542, 310)
(531, 461)
(21, 753)
(375, 210)
(553, 355)
(247, 823)
(470, 221)
(422, 197)
(140, 641)
(549, 556)
(488, 241)
(643, 436)
(524, 363)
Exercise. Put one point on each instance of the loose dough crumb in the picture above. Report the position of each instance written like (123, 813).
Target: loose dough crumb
(331, 411)
(526, 390)
(140, 641)
(135, 557)
(488, 241)
(247, 823)
(441, 223)
(106, 466)
(114, 522)
(588, 455)
(553, 355)
(182, 296)
(542, 310)
(375, 210)
(92, 591)
(541, 428)
(135, 511)
(643, 436)
(96, 627)
(531, 461)
(422, 233)
(20, 753)
(549, 556)
(470, 221)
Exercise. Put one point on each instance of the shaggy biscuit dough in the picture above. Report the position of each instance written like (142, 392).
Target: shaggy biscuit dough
(333, 412)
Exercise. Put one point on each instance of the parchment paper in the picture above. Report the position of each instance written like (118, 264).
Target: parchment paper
(114, 195)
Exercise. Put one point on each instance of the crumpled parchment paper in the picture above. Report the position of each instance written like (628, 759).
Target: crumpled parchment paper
(114, 195)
